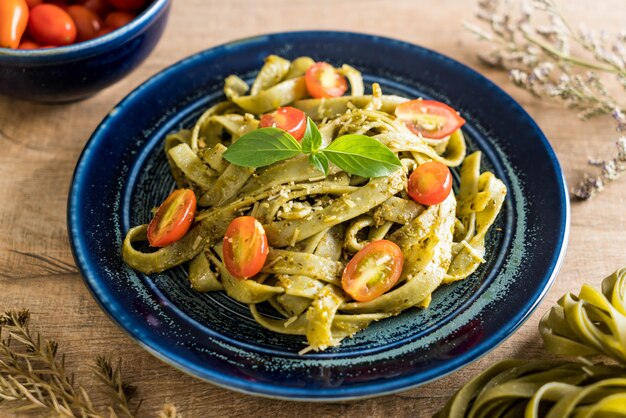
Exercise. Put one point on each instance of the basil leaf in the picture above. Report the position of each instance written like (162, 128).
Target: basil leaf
(319, 161)
(312, 139)
(362, 155)
(262, 147)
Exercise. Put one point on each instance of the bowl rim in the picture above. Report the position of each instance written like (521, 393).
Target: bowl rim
(92, 46)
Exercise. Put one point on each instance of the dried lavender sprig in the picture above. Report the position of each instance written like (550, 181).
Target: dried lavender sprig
(610, 170)
(539, 60)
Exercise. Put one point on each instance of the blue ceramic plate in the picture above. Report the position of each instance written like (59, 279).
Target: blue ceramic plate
(123, 173)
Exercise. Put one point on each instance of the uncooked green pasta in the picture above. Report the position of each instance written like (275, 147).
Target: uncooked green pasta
(316, 222)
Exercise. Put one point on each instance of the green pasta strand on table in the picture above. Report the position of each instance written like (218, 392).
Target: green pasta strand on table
(589, 324)
(315, 222)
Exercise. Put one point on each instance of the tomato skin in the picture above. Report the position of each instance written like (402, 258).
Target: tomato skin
(363, 287)
(13, 21)
(99, 7)
(29, 45)
(88, 24)
(116, 20)
(128, 5)
(289, 119)
(323, 80)
(429, 118)
(173, 218)
(51, 25)
(33, 3)
(430, 183)
(245, 247)
(105, 30)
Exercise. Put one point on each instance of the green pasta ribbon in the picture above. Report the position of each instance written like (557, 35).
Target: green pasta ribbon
(320, 201)
(588, 324)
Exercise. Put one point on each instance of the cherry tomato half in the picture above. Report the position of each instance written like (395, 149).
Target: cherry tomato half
(88, 24)
(51, 25)
(245, 247)
(173, 218)
(429, 118)
(323, 80)
(128, 5)
(430, 183)
(288, 119)
(373, 270)
(118, 19)
(13, 21)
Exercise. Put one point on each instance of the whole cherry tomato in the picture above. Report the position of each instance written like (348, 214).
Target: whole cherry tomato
(323, 80)
(289, 119)
(173, 218)
(13, 21)
(29, 45)
(373, 270)
(128, 5)
(118, 19)
(430, 183)
(33, 3)
(105, 30)
(51, 25)
(245, 247)
(99, 7)
(429, 118)
(88, 24)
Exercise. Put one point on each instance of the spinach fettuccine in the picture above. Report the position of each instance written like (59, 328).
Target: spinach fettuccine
(588, 324)
(309, 200)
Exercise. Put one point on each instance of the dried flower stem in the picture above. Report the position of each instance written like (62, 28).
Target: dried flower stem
(538, 58)
(32, 378)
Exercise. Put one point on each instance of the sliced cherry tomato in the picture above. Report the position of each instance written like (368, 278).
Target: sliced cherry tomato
(288, 119)
(88, 24)
(245, 247)
(173, 218)
(13, 21)
(51, 25)
(429, 118)
(430, 183)
(128, 5)
(29, 45)
(99, 7)
(373, 270)
(323, 80)
(118, 19)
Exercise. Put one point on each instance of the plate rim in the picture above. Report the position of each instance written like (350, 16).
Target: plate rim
(273, 390)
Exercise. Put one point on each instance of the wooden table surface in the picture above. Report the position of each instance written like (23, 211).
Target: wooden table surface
(41, 143)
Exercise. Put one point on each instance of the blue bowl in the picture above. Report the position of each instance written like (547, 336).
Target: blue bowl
(78, 71)
(123, 173)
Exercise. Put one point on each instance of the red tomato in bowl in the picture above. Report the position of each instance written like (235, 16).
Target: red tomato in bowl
(323, 80)
(51, 25)
(13, 21)
(245, 247)
(88, 24)
(373, 270)
(289, 119)
(429, 118)
(116, 20)
(99, 7)
(430, 183)
(128, 5)
(173, 218)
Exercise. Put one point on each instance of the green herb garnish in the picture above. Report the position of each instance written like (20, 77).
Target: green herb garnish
(355, 154)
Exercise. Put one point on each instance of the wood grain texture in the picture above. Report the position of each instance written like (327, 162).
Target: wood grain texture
(40, 146)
